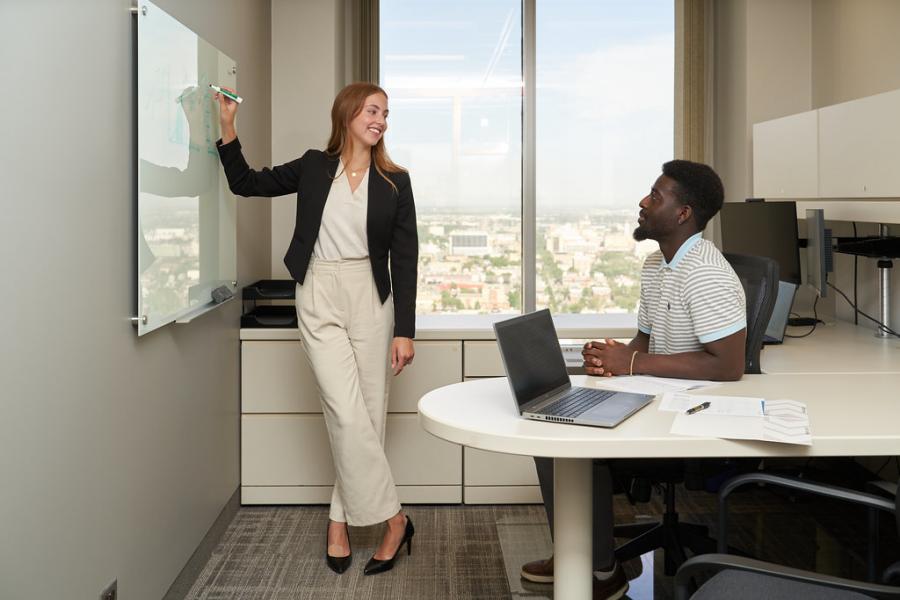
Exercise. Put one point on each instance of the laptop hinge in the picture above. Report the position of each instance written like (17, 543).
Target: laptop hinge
(545, 399)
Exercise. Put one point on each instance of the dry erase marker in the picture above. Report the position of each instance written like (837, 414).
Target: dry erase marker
(226, 93)
(697, 408)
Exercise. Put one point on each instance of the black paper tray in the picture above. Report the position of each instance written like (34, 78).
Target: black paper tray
(270, 289)
(270, 316)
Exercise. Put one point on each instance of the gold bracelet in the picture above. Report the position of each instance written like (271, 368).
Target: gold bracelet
(631, 368)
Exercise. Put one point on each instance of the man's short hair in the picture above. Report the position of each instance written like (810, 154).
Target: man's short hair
(698, 187)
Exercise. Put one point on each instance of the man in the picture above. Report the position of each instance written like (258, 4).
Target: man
(691, 324)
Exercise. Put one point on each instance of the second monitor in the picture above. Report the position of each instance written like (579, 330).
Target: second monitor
(769, 229)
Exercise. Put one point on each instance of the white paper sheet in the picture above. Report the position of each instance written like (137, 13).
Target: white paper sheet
(784, 421)
(645, 384)
(718, 405)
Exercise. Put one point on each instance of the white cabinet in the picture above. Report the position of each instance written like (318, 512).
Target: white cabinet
(292, 450)
(276, 378)
(435, 365)
(285, 451)
(859, 148)
(785, 157)
(482, 359)
(838, 155)
(496, 468)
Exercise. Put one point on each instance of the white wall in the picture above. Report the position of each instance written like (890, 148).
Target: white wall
(307, 72)
(778, 57)
(762, 68)
(116, 453)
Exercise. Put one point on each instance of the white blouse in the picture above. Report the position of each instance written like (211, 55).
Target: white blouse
(342, 234)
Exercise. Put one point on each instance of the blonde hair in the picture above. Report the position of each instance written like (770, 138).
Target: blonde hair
(347, 105)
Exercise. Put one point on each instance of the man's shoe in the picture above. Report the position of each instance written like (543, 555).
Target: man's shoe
(611, 587)
(538, 571)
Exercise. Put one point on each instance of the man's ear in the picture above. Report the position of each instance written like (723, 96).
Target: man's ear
(685, 213)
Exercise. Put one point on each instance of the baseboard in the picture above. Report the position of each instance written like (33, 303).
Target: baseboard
(185, 580)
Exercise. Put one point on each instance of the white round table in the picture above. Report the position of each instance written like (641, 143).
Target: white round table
(850, 415)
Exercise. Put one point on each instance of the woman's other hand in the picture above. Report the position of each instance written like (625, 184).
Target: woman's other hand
(402, 353)
(227, 112)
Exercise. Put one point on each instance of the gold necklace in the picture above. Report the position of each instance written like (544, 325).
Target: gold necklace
(353, 172)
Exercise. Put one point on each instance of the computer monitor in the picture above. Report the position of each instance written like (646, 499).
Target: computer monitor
(769, 229)
(758, 228)
(818, 251)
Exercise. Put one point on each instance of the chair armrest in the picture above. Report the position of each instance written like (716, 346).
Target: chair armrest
(892, 573)
(706, 563)
(794, 483)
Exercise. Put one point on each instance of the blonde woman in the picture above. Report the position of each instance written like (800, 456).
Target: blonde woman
(355, 214)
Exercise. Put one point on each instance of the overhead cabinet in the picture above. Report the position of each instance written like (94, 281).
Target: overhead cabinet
(848, 150)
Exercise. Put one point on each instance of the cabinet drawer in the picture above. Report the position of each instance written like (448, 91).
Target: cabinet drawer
(494, 468)
(285, 450)
(482, 359)
(275, 378)
(294, 450)
(436, 364)
(419, 458)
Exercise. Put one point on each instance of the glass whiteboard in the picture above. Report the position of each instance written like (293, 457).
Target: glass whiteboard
(186, 234)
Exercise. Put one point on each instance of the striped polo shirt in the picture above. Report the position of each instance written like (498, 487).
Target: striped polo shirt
(695, 299)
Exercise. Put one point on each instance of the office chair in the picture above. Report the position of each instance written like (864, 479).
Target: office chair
(739, 578)
(759, 278)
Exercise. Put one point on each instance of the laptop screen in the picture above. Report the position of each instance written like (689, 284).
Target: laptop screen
(531, 355)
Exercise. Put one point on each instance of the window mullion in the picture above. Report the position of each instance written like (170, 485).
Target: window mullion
(529, 200)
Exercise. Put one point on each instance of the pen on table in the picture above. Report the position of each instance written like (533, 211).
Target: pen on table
(226, 93)
(697, 408)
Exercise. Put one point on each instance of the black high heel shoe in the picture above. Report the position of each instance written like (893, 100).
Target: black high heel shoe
(338, 564)
(375, 566)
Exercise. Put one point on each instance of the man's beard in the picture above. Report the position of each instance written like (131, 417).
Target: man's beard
(640, 234)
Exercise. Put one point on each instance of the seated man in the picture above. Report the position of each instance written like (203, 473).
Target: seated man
(691, 324)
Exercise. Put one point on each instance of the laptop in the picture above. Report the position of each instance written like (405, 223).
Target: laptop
(540, 384)
(780, 312)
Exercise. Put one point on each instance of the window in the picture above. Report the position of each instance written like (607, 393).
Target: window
(604, 124)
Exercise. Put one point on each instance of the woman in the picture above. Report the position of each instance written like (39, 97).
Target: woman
(355, 212)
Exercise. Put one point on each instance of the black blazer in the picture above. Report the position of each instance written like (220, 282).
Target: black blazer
(390, 223)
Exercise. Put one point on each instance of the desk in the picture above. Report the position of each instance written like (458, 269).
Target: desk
(838, 347)
(850, 415)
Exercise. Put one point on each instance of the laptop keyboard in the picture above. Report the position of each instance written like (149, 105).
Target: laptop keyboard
(575, 402)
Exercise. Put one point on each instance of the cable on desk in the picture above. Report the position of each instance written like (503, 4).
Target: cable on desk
(816, 321)
(873, 319)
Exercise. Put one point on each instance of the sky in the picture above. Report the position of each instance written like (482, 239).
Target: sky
(605, 100)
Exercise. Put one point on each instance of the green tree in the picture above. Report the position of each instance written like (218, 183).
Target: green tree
(515, 298)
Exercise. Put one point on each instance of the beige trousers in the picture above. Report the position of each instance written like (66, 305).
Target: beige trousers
(346, 333)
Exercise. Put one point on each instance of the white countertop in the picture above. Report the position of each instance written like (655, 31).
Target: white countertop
(850, 415)
(480, 327)
(838, 347)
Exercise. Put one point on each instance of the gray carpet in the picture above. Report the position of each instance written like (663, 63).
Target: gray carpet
(475, 552)
(277, 553)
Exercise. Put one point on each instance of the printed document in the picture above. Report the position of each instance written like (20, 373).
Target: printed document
(740, 418)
